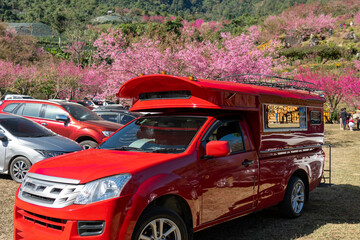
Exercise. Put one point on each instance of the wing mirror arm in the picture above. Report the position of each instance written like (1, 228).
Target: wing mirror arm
(63, 118)
(3, 137)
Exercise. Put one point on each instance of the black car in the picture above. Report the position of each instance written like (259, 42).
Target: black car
(117, 116)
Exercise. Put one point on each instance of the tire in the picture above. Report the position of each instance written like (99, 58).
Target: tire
(88, 144)
(294, 200)
(18, 168)
(154, 218)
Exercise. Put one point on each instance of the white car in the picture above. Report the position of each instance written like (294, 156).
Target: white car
(16, 96)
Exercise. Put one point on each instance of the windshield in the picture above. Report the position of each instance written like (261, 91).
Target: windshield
(21, 127)
(162, 134)
(81, 113)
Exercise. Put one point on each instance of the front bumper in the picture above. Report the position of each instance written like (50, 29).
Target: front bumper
(32, 222)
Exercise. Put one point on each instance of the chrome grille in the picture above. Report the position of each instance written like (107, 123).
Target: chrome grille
(49, 191)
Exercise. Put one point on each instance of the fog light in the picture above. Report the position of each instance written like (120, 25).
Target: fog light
(90, 228)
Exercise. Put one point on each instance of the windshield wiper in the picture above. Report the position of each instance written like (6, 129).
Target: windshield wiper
(169, 150)
(127, 148)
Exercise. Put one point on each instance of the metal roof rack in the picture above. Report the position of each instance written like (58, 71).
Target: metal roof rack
(273, 81)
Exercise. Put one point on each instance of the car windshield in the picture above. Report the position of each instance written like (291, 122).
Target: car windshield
(81, 113)
(21, 127)
(161, 134)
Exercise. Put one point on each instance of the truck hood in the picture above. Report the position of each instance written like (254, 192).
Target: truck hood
(102, 124)
(92, 164)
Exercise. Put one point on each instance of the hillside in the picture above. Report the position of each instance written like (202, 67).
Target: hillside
(82, 10)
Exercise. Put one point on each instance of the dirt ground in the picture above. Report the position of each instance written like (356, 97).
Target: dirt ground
(7, 192)
(331, 213)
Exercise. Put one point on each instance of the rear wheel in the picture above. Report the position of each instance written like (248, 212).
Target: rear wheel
(88, 144)
(160, 223)
(294, 200)
(19, 168)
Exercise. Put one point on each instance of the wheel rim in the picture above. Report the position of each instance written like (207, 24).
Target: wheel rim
(160, 229)
(86, 146)
(20, 169)
(298, 197)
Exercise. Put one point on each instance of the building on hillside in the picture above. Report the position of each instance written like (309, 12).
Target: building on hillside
(111, 19)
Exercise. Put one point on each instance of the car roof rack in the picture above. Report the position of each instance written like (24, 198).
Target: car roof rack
(273, 81)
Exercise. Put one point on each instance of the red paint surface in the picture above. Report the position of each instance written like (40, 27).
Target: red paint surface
(215, 190)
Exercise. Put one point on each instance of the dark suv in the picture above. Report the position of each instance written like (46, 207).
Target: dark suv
(65, 118)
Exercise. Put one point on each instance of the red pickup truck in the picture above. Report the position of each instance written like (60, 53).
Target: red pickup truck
(212, 151)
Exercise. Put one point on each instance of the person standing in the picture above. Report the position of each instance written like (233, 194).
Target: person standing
(340, 119)
(276, 109)
(343, 116)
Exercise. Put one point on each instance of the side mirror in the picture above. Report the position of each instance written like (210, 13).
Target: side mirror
(3, 137)
(62, 118)
(217, 149)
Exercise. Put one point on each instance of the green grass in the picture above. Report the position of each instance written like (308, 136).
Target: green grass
(332, 213)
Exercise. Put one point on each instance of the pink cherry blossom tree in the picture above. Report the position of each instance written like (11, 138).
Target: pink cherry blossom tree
(183, 56)
(337, 88)
(299, 20)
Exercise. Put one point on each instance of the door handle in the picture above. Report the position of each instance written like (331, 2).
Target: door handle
(247, 162)
(44, 124)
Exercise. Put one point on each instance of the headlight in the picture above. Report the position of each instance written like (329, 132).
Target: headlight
(102, 189)
(107, 133)
(48, 154)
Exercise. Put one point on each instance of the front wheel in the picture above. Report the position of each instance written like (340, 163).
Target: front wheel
(19, 168)
(160, 223)
(88, 144)
(294, 200)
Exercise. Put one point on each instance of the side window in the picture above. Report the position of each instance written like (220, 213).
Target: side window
(9, 108)
(315, 117)
(284, 117)
(32, 109)
(52, 111)
(231, 132)
(112, 117)
(125, 119)
(19, 110)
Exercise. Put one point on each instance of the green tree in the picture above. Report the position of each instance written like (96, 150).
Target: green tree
(59, 21)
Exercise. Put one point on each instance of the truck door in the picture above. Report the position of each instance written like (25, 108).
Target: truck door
(228, 183)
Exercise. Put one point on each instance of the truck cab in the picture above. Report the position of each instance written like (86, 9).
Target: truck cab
(210, 151)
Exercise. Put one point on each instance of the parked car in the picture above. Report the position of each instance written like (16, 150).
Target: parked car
(91, 103)
(24, 142)
(112, 107)
(65, 118)
(16, 96)
(117, 116)
(213, 154)
(83, 103)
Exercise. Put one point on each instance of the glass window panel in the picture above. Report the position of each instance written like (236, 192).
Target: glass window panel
(32, 109)
(52, 111)
(284, 116)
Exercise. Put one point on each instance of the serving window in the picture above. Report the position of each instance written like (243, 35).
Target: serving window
(284, 117)
(315, 117)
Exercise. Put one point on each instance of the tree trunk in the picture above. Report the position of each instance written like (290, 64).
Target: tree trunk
(59, 40)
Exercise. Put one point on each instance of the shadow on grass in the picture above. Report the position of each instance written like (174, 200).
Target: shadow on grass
(338, 204)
